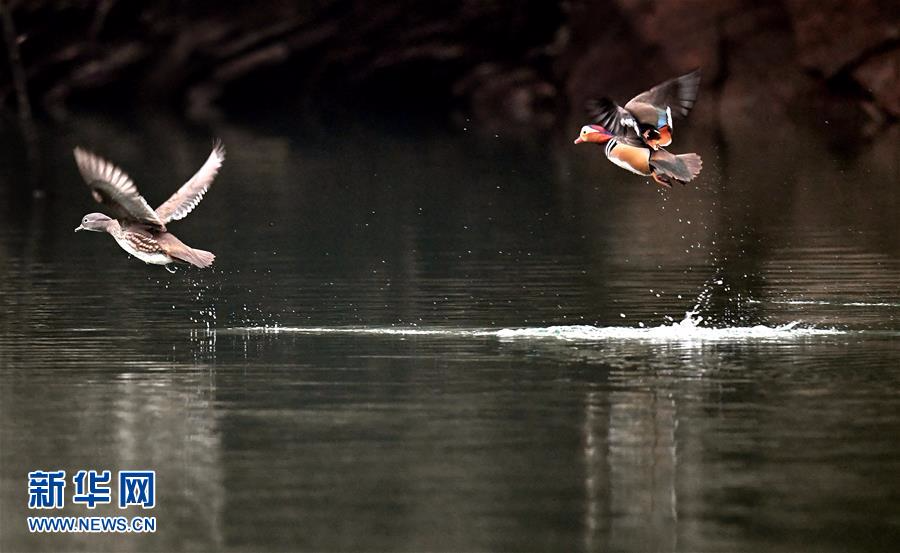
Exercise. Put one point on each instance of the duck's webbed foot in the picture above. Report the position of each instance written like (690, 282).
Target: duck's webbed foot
(662, 180)
(170, 267)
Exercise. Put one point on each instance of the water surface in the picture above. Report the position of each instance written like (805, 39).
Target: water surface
(452, 341)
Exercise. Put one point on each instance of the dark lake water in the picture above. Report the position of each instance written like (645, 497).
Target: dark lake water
(462, 341)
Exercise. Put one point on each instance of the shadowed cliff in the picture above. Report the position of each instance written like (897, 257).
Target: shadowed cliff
(498, 62)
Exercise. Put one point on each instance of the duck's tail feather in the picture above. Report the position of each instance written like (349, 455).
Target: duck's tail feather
(181, 251)
(197, 258)
(681, 168)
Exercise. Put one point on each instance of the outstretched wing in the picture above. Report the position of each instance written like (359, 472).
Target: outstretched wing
(609, 115)
(189, 195)
(679, 94)
(111, 187)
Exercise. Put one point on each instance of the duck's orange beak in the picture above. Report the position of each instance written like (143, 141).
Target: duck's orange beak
(579, 140)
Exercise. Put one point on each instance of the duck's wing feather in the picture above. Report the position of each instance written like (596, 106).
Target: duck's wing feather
(679, 94)
(113, 188)
(609, 115)
(189, 195)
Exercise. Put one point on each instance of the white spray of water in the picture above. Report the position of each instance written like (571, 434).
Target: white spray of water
(687, 330)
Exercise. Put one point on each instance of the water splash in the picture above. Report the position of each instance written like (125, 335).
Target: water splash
(833, 303)
(689, 329)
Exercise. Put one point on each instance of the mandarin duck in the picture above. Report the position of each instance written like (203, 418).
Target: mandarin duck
(630, 153)
(649, 114)
(137, 228)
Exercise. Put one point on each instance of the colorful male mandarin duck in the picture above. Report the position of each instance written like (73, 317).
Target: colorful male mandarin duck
(630, 153)
(137, 228)
(649, 114)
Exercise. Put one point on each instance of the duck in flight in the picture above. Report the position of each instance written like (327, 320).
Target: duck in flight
(649, 115)
(630, 153)
(136, 227)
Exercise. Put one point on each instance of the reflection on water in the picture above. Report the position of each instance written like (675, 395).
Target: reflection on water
(91, 417)
(463, 343)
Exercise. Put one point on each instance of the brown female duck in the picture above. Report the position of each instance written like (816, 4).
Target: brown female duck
(137, 228)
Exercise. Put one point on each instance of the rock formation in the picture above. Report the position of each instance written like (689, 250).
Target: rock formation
(523, 63)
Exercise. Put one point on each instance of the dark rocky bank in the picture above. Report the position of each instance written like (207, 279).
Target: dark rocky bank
(523, 63)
